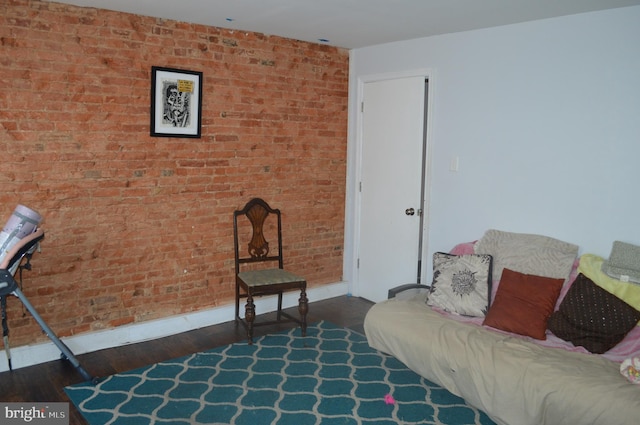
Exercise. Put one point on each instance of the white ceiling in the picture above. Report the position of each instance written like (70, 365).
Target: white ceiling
(354, 23)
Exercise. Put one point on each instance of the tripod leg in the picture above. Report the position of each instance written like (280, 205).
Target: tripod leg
(5, 329)
(66, 352)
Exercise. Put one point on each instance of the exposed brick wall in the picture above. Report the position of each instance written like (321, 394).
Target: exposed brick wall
(140, 227)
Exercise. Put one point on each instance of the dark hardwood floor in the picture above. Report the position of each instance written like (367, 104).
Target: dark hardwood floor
(46, 382)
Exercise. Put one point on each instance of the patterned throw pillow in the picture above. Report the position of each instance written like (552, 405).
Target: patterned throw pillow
(536, 255)
(461, 283)
(593, 318)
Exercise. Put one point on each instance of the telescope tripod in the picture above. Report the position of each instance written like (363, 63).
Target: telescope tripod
(9, 286)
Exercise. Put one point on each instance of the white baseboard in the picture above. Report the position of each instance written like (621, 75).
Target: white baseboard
(29, 355)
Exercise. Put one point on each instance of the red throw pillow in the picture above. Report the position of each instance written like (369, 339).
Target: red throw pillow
(523, 303)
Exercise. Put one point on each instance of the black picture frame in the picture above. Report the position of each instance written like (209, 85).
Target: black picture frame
(176, 102)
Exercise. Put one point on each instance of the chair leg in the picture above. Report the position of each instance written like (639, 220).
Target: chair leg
(279, 316)
(237, 317)
(303, 309)
(249, 316)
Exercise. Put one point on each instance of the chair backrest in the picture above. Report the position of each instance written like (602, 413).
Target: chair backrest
(256, 211)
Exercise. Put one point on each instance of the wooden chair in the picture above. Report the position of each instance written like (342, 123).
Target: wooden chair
(253, 276)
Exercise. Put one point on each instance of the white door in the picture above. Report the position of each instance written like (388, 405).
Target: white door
(393, 128)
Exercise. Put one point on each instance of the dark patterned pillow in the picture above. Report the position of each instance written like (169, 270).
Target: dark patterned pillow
(592, 317)
(461, 283)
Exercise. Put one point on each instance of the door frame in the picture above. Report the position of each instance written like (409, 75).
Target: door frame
(354, 174)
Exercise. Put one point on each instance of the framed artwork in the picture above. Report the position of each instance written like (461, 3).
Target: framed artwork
(176, 102)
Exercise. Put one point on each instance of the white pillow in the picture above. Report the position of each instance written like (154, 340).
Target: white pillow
(461, 283)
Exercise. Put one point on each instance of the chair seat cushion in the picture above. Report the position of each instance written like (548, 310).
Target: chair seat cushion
(268, 277)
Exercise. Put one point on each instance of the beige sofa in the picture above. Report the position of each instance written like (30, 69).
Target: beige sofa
(515, 377)
(516, 382)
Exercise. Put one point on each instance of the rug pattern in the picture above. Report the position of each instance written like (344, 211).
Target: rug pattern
(329, 377)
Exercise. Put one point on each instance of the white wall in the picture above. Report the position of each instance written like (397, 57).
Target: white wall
(545, 119)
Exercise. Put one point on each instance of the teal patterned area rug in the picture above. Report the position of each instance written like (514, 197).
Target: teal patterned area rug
(329, 377)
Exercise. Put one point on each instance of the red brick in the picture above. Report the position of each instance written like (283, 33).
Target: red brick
(126, 214)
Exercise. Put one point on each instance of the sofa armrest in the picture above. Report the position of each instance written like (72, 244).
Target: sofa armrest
(398, 289)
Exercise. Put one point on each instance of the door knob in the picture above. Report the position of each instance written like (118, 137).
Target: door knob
(409, 211)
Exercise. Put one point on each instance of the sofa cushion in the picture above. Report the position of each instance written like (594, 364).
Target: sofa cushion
(461, 283)
(624, 262)
(591, 317)
(523, 303)
(526, 253)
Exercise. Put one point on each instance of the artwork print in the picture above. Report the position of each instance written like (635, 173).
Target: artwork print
(176, 102)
